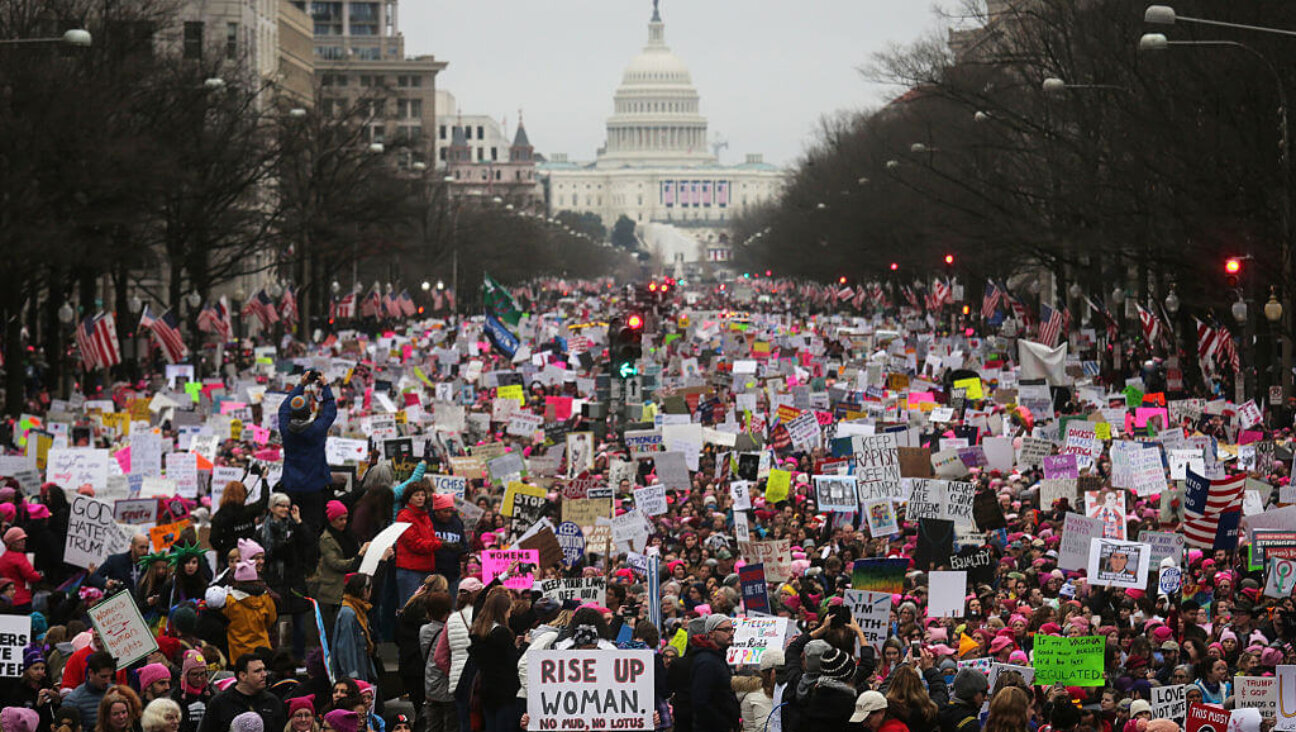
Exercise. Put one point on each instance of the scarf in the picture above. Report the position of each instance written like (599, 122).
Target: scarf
(361, 609)
(350, 547)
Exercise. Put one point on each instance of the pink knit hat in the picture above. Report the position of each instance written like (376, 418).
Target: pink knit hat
(245, 572)
(151, 674)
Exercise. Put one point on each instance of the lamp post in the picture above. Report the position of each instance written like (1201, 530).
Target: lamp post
(1154, 42)
(1273, 312)
(74, 37)
(1054, 86)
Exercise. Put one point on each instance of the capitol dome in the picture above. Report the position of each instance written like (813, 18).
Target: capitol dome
(656, 120)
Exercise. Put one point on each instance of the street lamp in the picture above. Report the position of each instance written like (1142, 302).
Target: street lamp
(1172, 301)
(134, 304)
(426, 285)
(1075, 290)
(1239, 311)
(214, 83)
(297, 113)
(1054, 86)
(335, 287)
(981, 117)
(1166, 15)
(1273, 310)
(65, 314)
(1118, 297)
(376, 148)
(440, 285)
(74, 37)
(1154, 42)
(892, 164)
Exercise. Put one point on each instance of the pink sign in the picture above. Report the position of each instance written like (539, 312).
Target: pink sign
(520, 564)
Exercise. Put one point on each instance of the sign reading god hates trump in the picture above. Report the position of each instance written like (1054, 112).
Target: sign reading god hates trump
(590, 690)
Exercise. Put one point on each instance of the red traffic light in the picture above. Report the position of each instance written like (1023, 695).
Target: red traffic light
(768, 273)
(894, 266)
(635, 322)
(949, 259)
(841, 280)
(1233, 266)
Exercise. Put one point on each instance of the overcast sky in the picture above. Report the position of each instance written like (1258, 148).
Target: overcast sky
(766, 70)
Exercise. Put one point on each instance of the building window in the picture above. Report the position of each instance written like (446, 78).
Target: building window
(481, 154)
(330, 53)
(467, 132)
(416, 108)
(231, 40)
(497, 175)
(494, 154)
(480, 136)
(442, 154)
(193, 39)
(416, 81)
(442, 132)
(372, 53)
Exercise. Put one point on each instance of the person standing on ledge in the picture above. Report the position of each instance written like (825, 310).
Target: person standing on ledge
(306, 474)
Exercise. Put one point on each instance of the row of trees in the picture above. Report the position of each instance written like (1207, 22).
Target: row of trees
(1135, 170)
(125, 167)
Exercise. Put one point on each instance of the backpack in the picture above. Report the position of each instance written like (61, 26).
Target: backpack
(436, 683)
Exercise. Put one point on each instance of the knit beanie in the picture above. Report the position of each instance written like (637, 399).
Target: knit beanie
(247, 722)
(151, 674)
(814, 653)
(836, 664)
(334, 509)
(19, 719)
(343, 720)
(968, 683)
(245, 572)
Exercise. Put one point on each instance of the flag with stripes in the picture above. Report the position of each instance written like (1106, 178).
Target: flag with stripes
(371, 305)
(845, 293)
(942, 293)
(166, 329)
(1096, 305)
(288, 306)
(391, 305)
(344, 307)
(262, 306)
(990, 301)
(215, 318)
(1212, 510)
(1153, 330)
(860, 296)
(1227, 350)
(1018, 308)
(1051, 325)
(407, 304)
(97, 340)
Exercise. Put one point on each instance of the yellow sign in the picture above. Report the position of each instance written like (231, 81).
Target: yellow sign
(236, 429)
(971, 388)
(418, 373)
(516, 489)
(679, 642)
(1102, 430)
(778, 485)
(119, 421)
(512, 391)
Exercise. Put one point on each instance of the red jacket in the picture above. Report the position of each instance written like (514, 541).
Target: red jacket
(14, 566)
(416, 548)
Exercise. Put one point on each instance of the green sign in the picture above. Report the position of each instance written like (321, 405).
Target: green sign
(1069, 661)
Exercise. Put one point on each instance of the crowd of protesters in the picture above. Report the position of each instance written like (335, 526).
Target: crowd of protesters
(265, 576)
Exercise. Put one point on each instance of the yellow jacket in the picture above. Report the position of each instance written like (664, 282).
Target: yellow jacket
(250, 618)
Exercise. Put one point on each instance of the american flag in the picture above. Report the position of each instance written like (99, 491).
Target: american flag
(877, 294)
(1213, 509)
(450, 299)
(1051, 325)
(1018, 308)
(391, 305)
(371, 305)
(166, 328)
(1096, 305)
(407, 304)
(1208, 341)
(860, 296)
(1152, 327)
(262, 306)
(215, 318)
(1228, 350)
(288, 306)
(912, 297)
(344, 307)
(990, 302)
(845, 293)
(942, 292)
(96, 338)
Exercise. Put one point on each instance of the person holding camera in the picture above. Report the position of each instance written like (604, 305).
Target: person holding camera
(304, 428)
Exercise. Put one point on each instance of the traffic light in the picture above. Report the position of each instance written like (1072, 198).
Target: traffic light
(1232, 271)
(949, 260)
(626, 345)
(894, 266)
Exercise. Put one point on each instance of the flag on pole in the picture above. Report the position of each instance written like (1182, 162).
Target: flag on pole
(166, 329)
(498, 299)
(97, 340)
(391, 305)
(1051, 325)
(990, 301)
(942, 292)
(1151, 324)
(1213, 510)
(344, 307)
(371, 305)
(215, 318)
(288, 307)
(262, 306)
(407, 304)
(500, 336)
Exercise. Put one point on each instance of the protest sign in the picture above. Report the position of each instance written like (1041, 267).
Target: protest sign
(1281, 578)
(572, 542)
(603, 690)
(947, 590)
(1207, 718)
(1286, 698)
(881, 518)
(752, 637)
(15, 634)
(755, 591)
(776, 555)
(879, 575)
(453, 485)
(740, 490)
(519, 564)
(122, 629)
(949, 500)
(582, 589)
(987, 513)
(1109, 507)
(877, 466)
(978, 562)
(1257, 692)
(1053, 490)
(135, 511)
(1076, 661)
(1060, 466)
(1163, 544)
(162, 537)
(1118, 563)
(379, 545)
(836, 493)
(651, 500)
(872, 612)
(76, 467)
(1168, 702)
(522, 496)
(92, 533)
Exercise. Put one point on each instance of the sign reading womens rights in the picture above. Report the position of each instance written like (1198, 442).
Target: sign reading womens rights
(499, 561)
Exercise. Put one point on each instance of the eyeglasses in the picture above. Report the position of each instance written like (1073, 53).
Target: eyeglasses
(726, 630)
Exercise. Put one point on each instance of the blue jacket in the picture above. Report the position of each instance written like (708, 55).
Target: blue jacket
(350, 651)
(85, 699)
(306, 468)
